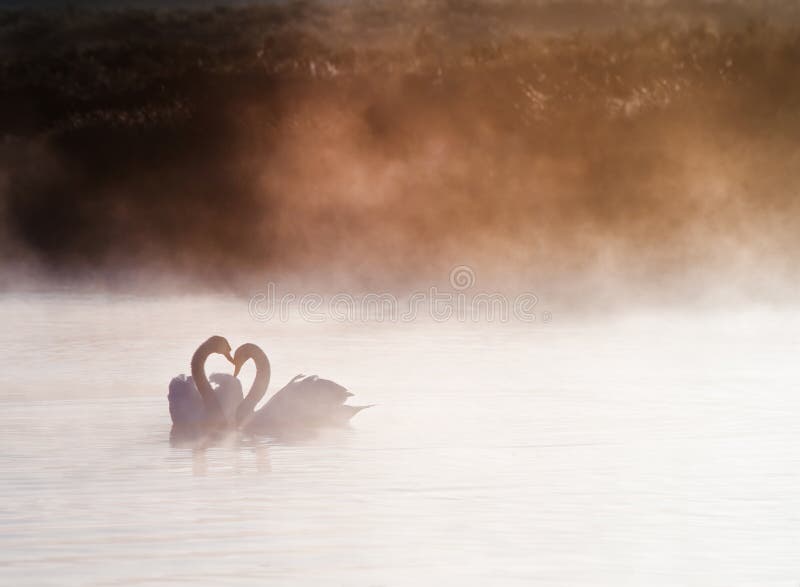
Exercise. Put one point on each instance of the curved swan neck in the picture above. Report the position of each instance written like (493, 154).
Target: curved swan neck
(212, 405)
(260, 383)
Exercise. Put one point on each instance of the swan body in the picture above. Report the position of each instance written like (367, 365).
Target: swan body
(194, 405)
(304, 403)
(309, 402)
(186, 406)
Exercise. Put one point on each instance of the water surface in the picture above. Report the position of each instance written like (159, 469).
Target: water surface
(647, 451)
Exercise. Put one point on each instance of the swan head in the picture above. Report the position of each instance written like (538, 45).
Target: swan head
(246, 352)
(240, 357)
(220, 345)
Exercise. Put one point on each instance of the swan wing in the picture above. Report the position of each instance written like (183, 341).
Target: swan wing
(308, 394)
(331, 390)
(317, 390)
(185, 404)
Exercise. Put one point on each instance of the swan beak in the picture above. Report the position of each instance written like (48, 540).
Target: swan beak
(229, 357)
(236, 369)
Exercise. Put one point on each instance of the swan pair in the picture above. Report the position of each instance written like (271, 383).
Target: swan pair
(305, 402)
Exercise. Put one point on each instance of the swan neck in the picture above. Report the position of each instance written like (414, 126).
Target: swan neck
(259, 387)
(198, 365)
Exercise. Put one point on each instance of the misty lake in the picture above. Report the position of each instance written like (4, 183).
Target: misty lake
(650, 450)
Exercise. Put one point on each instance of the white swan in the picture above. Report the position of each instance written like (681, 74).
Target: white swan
(194, 405)
(304, 403)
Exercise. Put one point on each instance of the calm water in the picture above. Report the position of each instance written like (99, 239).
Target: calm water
(657, 451)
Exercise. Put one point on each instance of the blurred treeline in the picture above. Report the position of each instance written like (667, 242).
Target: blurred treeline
(581, 136)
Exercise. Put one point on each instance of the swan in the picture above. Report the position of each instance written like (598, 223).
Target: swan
(304, 403)
(194, 405)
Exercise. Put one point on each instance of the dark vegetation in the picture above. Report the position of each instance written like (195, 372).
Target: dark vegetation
(565, 141)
